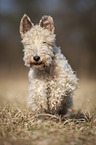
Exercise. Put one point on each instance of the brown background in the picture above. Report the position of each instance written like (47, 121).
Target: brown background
(75, 23)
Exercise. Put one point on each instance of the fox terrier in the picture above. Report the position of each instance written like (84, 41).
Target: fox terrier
(52, 80)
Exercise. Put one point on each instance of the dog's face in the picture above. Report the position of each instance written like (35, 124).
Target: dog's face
(38, 41)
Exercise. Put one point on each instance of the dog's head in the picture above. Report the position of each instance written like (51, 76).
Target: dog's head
(38, 41)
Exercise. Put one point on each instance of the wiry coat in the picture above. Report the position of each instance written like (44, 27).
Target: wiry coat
(52, 80)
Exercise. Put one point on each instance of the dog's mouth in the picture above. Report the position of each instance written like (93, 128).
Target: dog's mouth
(38, 65)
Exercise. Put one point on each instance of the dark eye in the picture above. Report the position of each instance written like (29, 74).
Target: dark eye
(44, 42)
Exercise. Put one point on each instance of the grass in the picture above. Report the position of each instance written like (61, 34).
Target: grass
(20, 126)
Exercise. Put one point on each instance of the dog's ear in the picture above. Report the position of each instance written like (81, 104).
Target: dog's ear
(25, 25)
(47, 23)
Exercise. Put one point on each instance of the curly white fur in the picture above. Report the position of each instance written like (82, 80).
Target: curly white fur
(53, 82)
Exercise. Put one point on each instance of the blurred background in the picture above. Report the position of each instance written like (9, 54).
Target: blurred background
(75, 27)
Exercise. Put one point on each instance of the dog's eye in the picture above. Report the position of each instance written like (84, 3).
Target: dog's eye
(51, 44)
(44, 43)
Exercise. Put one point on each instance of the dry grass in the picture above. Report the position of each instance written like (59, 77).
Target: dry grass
(19, 125)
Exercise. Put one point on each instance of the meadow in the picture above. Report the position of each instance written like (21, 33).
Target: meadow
(20, 126)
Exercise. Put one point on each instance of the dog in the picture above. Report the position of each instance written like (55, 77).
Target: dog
(52, 80)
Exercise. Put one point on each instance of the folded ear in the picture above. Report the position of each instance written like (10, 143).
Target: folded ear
(25, 25)
(47, 23)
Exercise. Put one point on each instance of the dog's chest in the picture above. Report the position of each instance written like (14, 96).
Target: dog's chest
(47, 87)
(44, 84)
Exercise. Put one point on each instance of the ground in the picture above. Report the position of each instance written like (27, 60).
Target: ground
(19, 125)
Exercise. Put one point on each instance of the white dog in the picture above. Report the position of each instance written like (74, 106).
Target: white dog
(52, 80)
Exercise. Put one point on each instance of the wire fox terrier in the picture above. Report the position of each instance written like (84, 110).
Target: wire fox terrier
(52, 80)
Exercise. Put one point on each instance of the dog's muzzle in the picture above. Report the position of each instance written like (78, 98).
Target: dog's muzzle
(38, 65)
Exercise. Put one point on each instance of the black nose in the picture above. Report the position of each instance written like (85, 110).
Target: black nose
(36, 58)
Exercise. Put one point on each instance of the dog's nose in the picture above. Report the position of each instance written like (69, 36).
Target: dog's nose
(36, 58)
